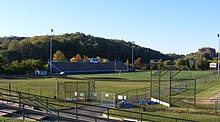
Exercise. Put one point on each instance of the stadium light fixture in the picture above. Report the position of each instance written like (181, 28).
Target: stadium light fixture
(218, 51)
(51, 51)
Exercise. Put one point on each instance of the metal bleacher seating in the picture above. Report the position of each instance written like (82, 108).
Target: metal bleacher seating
(87, 67)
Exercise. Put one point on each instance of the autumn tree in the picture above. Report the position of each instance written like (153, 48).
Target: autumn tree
(105, 60)
(85, 58)
(127, 63)
(138, 63)
(59, 56)
(77, 58)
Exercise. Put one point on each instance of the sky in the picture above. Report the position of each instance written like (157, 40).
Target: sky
(168, 26)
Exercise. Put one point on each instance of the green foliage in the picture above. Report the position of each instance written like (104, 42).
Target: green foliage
(76, 43)
(37, 48)
(168, 62)
(160, 64)
(24, 67)
(176, 56)
(201, 62)
(183, 62)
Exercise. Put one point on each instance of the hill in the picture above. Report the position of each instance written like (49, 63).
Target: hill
(21, 48)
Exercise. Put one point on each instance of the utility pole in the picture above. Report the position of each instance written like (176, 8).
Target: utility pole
(51, 46)
(132, 54)
(218, 51)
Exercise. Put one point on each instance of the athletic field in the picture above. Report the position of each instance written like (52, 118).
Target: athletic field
(115, 83)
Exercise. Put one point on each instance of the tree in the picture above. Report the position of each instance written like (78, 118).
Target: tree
(76, 58)
(3, 62)
(168, 62)
(127, 63)
(85, 58)
(199, 63)
(99, 59)
(73, 59)
(59, 56)
(13, 46)
(24, 67)
(105, 60)
(138, 63)
(160, 64)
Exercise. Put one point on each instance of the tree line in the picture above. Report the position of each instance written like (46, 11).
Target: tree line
(14, 50)
(22, 55)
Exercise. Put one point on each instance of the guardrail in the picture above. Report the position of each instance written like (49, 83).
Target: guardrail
(72, 111)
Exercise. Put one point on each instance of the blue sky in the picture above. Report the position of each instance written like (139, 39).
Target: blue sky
(168, 26)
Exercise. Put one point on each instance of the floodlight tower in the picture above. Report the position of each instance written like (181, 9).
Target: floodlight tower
(132, 54)
(218, 51)
(51, 51)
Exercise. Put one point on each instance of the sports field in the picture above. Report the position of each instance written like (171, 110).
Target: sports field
(115, 83)
(112, 82)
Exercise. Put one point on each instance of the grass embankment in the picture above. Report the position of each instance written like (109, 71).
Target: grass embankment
(189, 116)
(6, 119)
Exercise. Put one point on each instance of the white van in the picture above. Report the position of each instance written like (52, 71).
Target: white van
(93, 60)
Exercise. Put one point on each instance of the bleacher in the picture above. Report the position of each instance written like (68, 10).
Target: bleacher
(87, 67)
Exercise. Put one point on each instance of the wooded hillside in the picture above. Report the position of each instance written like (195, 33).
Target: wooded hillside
(19, 48)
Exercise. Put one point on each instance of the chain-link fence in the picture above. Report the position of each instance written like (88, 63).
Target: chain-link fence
(133, 96)
(75, 90)
(170, 82)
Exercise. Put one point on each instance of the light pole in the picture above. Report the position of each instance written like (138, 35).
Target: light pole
(218, 51)
(132, 54)
(51, 52)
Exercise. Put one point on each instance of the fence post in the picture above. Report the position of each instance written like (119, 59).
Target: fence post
(141, 117)
(65, 90)
(9, 87)
(93, 85)
(217, 106)
(127, 96)
(136, 94)
(116, 100)
(85, 94)
(57, 89)
(214, 106)
(54, 93)
(77, 90)
(145, 92)
(23, 113)
(19, 99)
(46, 105)
(108, 113)
(188, 106)
(58, 116)
(76, 111)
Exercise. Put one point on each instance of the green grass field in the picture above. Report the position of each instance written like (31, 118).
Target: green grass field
(114, 83)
